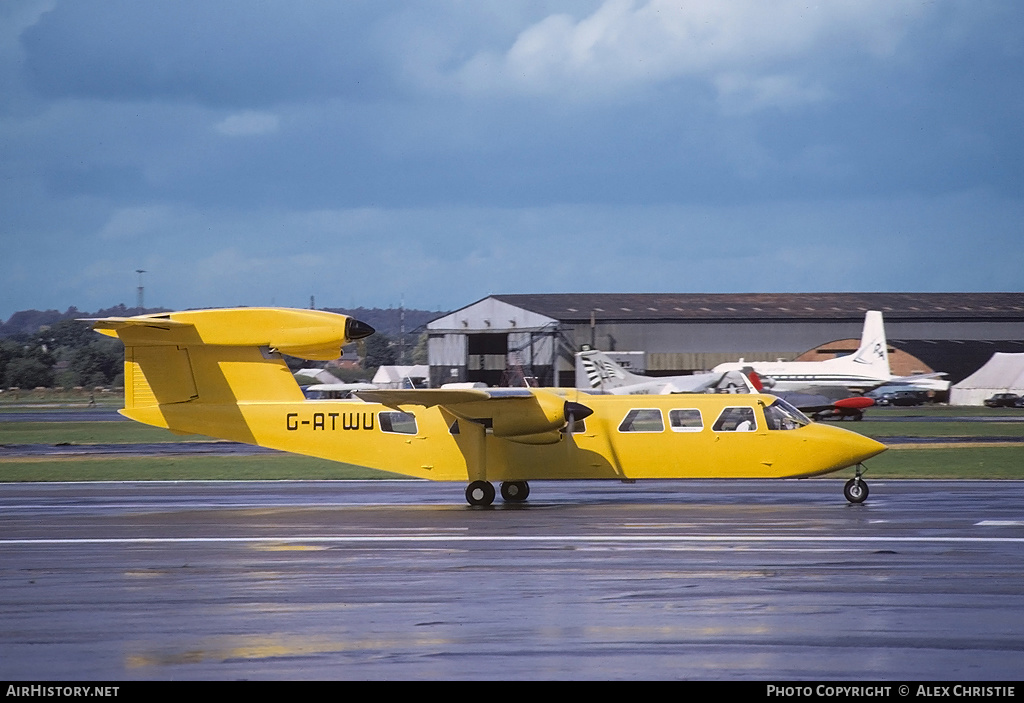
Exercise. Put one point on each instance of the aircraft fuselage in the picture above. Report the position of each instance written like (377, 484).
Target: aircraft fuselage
(797, 375)
(626, 437)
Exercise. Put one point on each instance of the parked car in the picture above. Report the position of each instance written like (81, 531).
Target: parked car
(902, 398)
(1003, 400)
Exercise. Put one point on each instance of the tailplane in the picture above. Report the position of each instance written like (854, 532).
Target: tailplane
(189, 371)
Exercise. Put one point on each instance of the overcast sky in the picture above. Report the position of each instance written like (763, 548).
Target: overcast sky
(250, 152)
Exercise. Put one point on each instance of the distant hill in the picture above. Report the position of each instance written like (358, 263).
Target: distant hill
(383, 320)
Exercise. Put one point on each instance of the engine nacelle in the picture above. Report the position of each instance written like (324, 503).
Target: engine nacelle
(533, 418)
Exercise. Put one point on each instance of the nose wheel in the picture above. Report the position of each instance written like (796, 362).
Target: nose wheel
(856, 489)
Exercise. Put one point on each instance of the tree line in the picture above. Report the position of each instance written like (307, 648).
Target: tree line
(67, 353)
(52, 349)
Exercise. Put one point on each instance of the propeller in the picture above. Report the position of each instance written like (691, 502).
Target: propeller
(573, 412)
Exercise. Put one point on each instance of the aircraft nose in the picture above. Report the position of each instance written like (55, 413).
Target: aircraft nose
(864, 448)
(842, 448)
(855, 448)
(354, 329)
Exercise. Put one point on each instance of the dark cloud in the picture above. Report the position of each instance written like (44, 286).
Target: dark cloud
(227, 53)
(233, 147)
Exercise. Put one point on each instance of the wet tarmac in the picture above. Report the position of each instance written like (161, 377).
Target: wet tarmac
(718, 580)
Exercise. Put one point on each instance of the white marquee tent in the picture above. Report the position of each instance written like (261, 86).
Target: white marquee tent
(1004, 373)
(397, 376)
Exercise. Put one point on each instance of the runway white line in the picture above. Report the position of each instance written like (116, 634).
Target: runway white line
(356, 539)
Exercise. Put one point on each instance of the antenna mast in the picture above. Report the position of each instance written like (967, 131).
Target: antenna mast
(401, 330)
(139, 290)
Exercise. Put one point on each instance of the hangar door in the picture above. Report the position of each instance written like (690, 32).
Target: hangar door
(487, 355)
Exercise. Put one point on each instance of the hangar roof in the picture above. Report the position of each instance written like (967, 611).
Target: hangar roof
(577, 307)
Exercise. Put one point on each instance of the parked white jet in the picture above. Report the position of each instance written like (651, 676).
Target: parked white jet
(597, 372)
(863, 370)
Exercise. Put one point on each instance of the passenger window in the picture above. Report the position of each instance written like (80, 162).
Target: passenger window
(686, 420)
(643, 420)
(397, 422)
(736, 419)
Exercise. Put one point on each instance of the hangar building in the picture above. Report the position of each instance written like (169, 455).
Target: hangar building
(502, 338)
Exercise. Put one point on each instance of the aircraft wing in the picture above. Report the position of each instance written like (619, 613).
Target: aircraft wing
(335, 391)
(525, 415)
(745, 381)
(341, 387)
(806, 402)
(427, 397)
(929, 381)
(826, 402)
(697, 383)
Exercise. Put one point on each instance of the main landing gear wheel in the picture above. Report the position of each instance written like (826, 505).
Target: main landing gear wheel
(480, 493)
(856, 490)
(514, 491)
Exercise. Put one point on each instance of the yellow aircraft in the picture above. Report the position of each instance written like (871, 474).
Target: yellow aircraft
(221, 373)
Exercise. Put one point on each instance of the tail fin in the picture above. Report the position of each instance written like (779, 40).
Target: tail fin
(597, 370)
(189, 371)
(755, 380)
(744, 380)
(874, 349)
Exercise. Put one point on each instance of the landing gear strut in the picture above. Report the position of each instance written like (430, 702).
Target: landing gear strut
(856, 489)
(514, 491)
(480, 493)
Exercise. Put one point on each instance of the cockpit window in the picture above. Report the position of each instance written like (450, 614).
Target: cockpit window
(780, 415)
(736, 419)
(643, 420)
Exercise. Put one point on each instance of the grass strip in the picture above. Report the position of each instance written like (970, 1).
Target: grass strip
(88, 432)
(956, 462)
(880, 430)
(943, 411)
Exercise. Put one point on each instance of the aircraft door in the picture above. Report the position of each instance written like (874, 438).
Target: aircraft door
(741, 444)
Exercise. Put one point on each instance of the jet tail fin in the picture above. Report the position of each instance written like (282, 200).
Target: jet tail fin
(744, 380)
(874, 349)
(597, 371)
